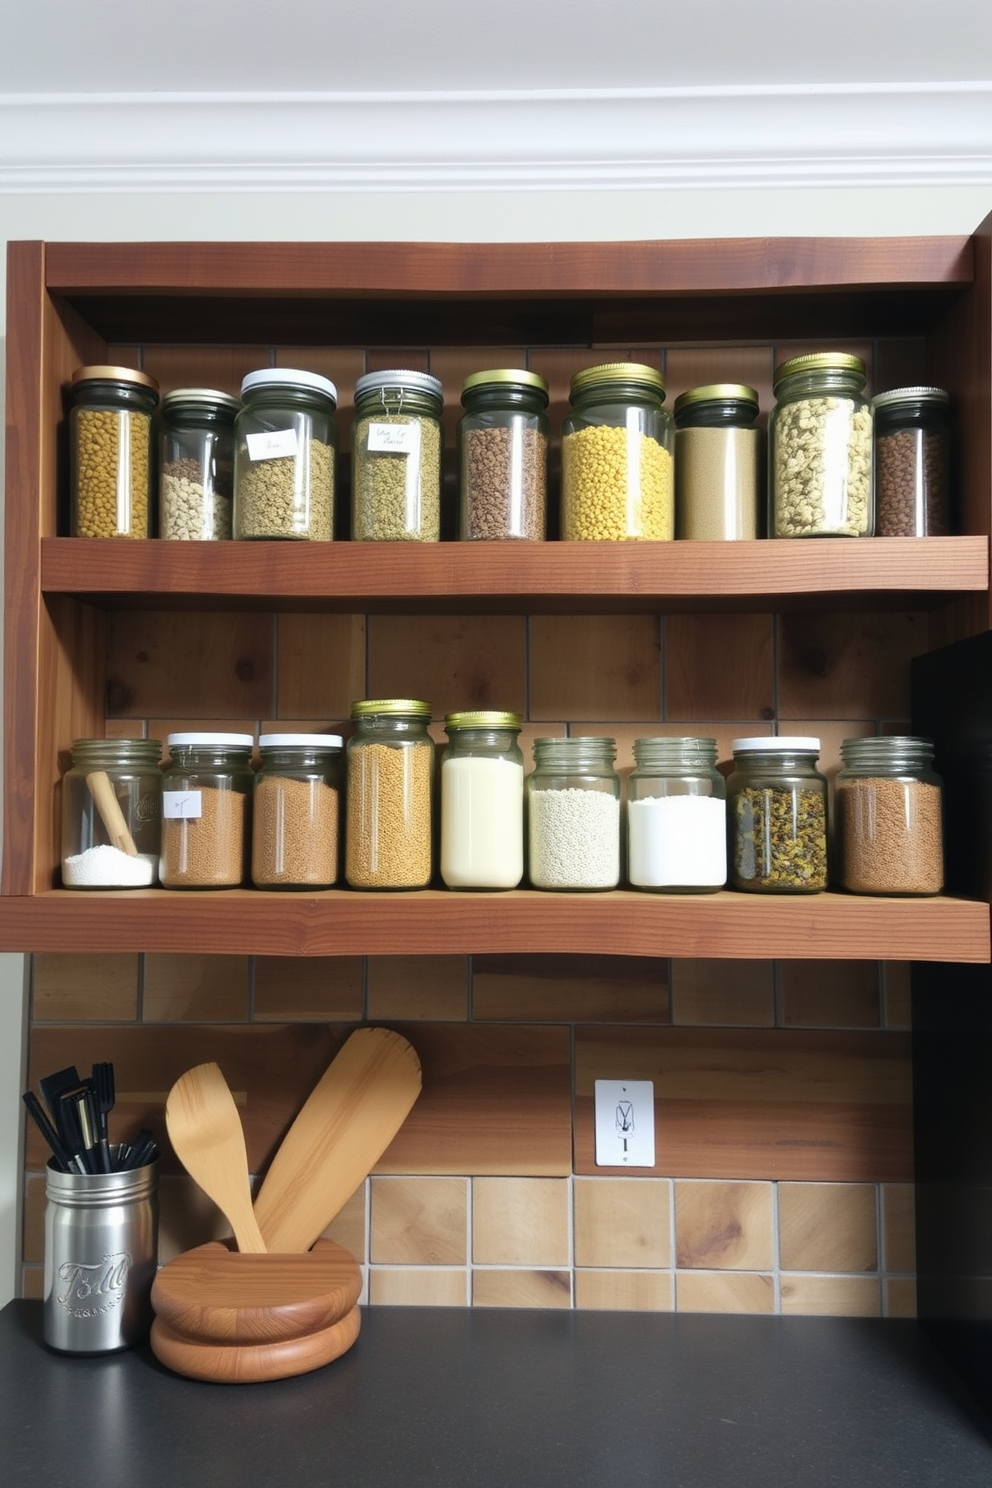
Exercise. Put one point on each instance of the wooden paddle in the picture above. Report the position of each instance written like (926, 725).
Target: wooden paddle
(345, 1126)
(247, 1363)
(205, 1130)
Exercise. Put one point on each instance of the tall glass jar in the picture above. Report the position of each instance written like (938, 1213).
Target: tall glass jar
(285, 450)
(206, 811)
(196, 473)
(573, 814)
(889, 817)
(616, 456)
(912, 462)
(389, 837)
(820, 438)
(112, 451)
(482, 801)
(112, 814)
(397, 443)
(503, 456)
(777, 811)
(676, 817)
(717, 450)
(296, 812)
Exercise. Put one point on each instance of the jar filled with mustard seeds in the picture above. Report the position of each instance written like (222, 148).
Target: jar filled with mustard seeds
(285, 453)
(503, 456)
(777, 816)
(820, 449)
(397, 444)
(112, 814)
(888, 804)
(717, 458)
(390, 795)
(196, 472)
(206, 811)
(616, 456)
(296, 812)
(112, 451)
(482, 801)
(676, 817)
(912, 462)
(573, 814)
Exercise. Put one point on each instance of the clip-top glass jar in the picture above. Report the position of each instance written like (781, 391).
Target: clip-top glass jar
(397, 443)
(676, 816)
(616, 456)
(820, 439)
(912, 464)
(716, 462)
(285, 449)
(573, 814)
(112, 814)
(503, 456)
(196, 475)
(889, 817)
(112, 451)
(389, 832)
(206, 811)
(296, 812)
(482, 801)
(777, 811)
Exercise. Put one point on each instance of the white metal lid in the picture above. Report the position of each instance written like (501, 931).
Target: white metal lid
(289, 377)
(302, 741)
(784, 743)
(233, 741)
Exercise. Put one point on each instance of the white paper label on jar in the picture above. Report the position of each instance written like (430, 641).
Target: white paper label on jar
(277, 444)
(394, 439)
(180, 805)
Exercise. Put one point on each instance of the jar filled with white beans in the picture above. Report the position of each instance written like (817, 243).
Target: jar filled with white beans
(573, 814)
(196, 474)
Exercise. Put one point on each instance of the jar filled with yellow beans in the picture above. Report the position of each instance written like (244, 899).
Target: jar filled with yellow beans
(112, 451)
(616, 457)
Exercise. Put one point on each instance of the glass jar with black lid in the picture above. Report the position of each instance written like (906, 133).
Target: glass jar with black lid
(503, 456)
(112, 451)
(912, 462)
(717, 461)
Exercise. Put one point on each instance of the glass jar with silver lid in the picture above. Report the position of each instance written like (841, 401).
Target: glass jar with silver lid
(397, 444)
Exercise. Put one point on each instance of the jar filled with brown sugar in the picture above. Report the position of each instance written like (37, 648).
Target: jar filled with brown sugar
(390, 794)
(206, 811)
(717, 450)
(296, 812)
(912, 462)
(503, 456)
(889, 817)
(112, 451)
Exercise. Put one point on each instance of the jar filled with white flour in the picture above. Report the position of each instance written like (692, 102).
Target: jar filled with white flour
(573, 812)
(676, 817)
(112, 814)
(482, 801)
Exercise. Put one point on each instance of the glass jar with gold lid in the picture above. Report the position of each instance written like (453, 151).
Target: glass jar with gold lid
(820, 448)
(616, 456)
(503, 456)
(390, 795)
(482, 801)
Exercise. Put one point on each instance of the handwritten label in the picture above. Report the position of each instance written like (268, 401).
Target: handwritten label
(181, 805)
(394, 439)
(275, 445)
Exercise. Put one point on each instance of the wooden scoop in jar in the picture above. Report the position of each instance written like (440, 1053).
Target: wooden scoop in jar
(111, 814)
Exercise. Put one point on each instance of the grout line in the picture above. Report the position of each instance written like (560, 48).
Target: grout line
(776, 1252)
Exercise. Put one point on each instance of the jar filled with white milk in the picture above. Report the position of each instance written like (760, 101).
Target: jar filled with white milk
(482, 801)
(676, 817)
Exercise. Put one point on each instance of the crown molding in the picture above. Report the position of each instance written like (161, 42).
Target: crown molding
(637, 139)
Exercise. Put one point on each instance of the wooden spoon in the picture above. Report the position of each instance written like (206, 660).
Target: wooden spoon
(114, 821)
(345, 1126)
(247, 1363)
(205, 1130)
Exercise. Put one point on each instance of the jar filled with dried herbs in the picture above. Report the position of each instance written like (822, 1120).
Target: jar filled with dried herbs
(777, 815)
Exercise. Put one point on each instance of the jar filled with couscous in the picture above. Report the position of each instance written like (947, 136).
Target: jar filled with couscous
(616, 457)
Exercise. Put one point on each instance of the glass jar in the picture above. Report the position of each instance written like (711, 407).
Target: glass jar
(196, 474)
(206, 811)
(397, 444)
(388, 837)
(888, 803)
(676, 817)
(912, 462)
(503, 456)
(820, 438)
(296, 812)
(111, 451)
(573, 814)
(716, 462)
(482, 801)
(616, 456)
(285, 449)
(777, 811)
(112, 814)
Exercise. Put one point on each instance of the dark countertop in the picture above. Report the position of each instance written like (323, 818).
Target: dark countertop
(466, 1398)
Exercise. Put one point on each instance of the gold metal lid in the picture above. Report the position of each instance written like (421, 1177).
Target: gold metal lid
(820, 361)
(114, 374)
(391, 706)
(505, 375)
(716, 392)
(483, 719)
(637, 373)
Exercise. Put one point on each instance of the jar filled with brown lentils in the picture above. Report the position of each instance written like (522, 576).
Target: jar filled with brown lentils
(503, 456)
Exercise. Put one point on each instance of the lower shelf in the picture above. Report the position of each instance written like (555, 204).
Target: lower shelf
(341, 922)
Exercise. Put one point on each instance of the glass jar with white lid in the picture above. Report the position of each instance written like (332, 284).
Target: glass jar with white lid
(206, 810)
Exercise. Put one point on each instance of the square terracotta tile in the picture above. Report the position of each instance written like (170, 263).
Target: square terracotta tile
(719, 666)
(520, 1222)
(623, 1222)
(419, 1221)
(724, 1226)
(733, 994)
(588, 668)
(32, 1283)
(181, 988)
(900, 1296)
(723, 1291)
(898, 1227)
(521, 1288)
(625, 1291)
(77, 989)
(349, 1226)
(832, 1296)
(830, 994)
(402, 1286)
(828, 1226)
(418, 987)
(307, 989)
(33, 1219)
(611, 989)
(186, 1218)
(452, 661)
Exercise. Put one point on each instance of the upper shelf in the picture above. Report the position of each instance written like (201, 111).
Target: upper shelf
(513, 577)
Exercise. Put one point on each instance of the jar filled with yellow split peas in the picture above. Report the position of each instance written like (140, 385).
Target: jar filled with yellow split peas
(112, 451)
(616, 457)
(390, 795)
(285, 449)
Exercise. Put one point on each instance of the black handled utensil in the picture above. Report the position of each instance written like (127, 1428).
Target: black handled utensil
(104, 1095)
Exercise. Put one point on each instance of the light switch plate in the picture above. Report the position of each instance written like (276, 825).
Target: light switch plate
(624, 1124)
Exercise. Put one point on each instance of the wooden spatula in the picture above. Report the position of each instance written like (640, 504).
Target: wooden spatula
(205, 1130)
(348, 1121)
